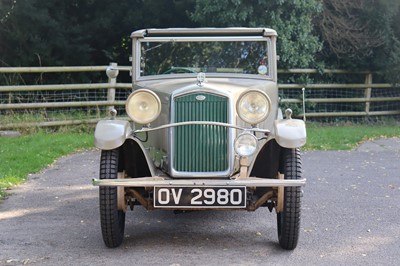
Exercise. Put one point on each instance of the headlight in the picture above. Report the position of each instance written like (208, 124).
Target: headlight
(245, 144)
(143, 106)
(253, 106)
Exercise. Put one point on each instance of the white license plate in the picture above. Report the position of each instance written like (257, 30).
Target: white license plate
(200, 197)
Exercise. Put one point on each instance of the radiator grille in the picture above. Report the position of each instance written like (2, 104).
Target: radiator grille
(201, 148)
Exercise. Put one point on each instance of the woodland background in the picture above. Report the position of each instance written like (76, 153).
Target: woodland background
(357, 34)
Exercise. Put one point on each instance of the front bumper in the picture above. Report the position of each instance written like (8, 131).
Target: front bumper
(162, 181)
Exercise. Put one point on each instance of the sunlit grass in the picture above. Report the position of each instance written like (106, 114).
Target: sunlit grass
(22, 155)
(346, 136)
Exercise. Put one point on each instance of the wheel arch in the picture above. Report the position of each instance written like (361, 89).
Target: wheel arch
(135, 161)
(268, 160)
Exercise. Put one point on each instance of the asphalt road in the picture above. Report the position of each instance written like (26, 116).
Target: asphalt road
(350, 216)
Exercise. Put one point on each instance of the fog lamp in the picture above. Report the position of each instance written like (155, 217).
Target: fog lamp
(245, 144)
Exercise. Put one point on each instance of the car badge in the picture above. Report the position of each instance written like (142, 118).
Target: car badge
(200, 97)
(201, 78)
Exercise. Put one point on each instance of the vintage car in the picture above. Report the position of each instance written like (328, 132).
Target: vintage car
(205, 131)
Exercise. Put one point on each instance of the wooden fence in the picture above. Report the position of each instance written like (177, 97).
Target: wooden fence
(367, 88)
(392, 93)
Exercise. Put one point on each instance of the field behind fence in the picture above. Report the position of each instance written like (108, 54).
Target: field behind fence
(50, 96)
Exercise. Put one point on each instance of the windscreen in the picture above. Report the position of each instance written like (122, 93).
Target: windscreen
(173, 57)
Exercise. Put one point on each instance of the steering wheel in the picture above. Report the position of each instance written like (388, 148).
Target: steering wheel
(180, 70)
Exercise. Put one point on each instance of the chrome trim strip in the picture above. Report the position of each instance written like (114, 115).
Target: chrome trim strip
(204, 31)
(209, 75)
(148, 129)
(135, 61)
(203, 38)
(161, 181)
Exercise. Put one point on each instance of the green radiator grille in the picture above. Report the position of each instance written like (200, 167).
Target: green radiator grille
(201, 148)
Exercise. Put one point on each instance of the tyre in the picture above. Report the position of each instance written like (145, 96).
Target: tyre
(288, 220)
(112, 220)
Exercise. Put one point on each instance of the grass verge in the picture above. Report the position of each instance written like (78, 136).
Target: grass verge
(346, 136)
(31, 153)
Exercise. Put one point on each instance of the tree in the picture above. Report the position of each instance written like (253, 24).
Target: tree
(347, 32)
(362, 34)
(297, 44)
(80, 32)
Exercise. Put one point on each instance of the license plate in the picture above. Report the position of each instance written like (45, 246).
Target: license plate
(200, 197)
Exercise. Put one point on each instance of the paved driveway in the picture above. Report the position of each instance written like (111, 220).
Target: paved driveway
(350, 216)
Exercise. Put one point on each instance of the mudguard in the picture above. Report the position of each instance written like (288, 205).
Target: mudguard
(110, 134)
(290, 133)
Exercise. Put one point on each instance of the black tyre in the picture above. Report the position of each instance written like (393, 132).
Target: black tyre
(112, 220)
(288, 220)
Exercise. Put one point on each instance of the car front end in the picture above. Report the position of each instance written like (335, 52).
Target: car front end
(206, 131)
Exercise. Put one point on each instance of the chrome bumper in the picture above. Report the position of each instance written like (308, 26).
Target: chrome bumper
(161, 181)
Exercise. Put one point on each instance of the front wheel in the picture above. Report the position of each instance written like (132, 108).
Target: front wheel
(288, 220)
(111, 218)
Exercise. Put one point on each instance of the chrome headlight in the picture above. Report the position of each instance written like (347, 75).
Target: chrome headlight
(253, 106)
(143, 106)
(245, 144)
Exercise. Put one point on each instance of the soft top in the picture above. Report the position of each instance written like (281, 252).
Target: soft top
(203, 32)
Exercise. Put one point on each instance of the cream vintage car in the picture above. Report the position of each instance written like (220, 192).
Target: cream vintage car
(206, 131)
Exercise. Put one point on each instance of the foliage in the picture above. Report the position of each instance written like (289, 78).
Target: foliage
(292, 20)
(362, 34)
(78, 32)
(359, 34)
(346, 30)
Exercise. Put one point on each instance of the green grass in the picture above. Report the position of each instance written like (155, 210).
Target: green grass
(31, 153)
(43, 116)
(346, 137)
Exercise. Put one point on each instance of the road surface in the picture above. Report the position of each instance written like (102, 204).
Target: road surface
(350, 216)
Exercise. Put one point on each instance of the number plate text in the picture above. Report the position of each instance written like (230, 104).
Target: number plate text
(200, 197)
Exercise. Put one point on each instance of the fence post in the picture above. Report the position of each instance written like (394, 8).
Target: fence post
(368, 91)
(112, 73)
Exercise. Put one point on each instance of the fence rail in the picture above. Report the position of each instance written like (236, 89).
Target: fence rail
(49, 104)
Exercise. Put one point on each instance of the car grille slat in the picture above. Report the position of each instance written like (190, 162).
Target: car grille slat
(200, 148)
